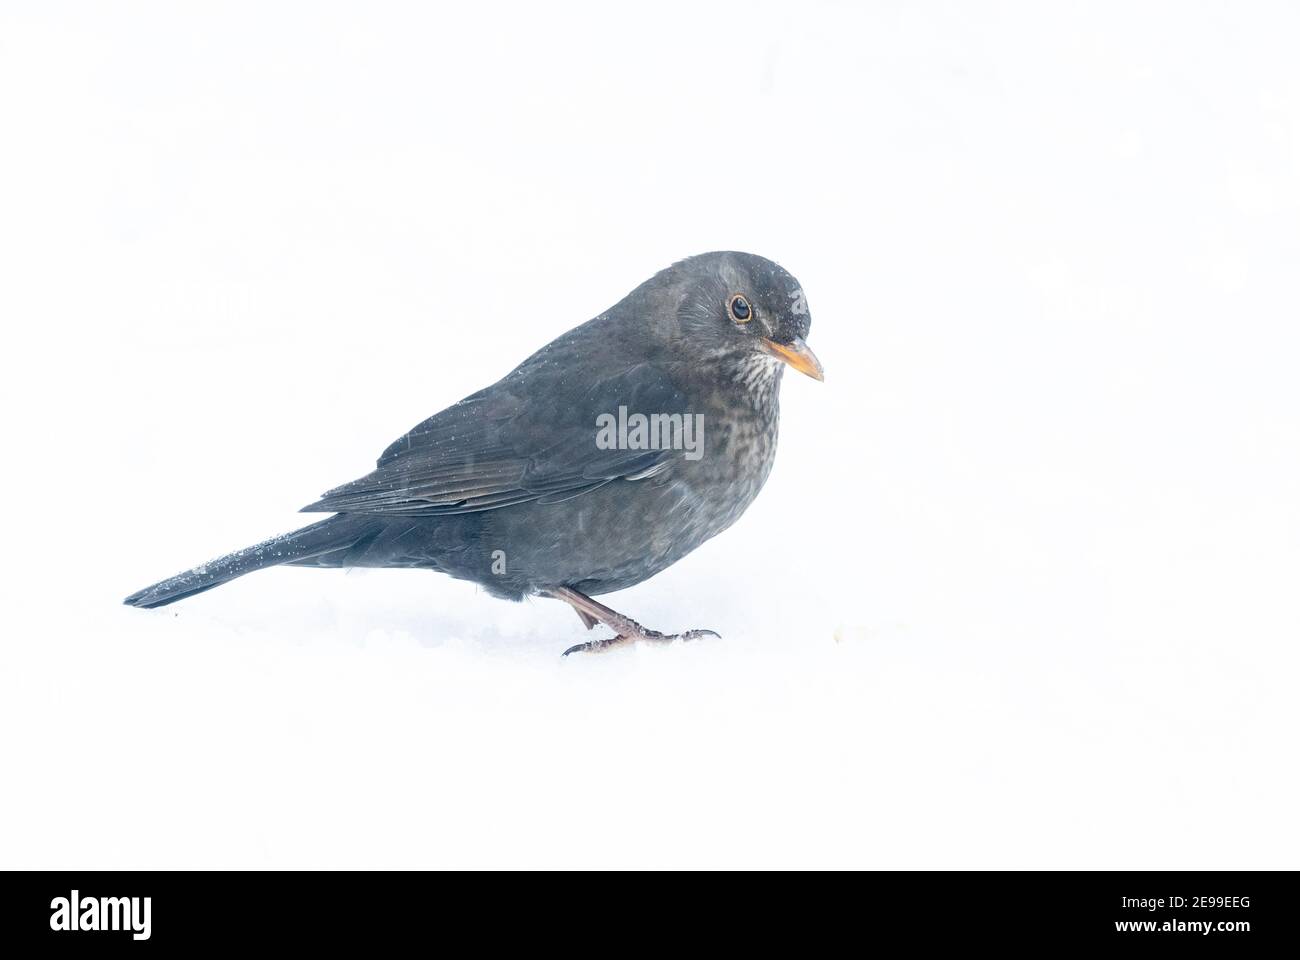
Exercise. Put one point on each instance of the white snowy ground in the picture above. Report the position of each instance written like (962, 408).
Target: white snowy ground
(1022, 589)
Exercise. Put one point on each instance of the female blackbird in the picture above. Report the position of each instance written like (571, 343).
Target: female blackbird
(606, 456)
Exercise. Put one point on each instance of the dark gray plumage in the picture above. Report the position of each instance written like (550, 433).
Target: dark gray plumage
(516, 488)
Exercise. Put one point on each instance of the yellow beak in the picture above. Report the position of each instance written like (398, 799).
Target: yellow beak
(797, 355)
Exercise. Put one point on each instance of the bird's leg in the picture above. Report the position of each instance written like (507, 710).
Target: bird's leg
(587, 619)
(627, 630)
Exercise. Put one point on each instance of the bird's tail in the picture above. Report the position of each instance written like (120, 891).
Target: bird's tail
(336, 533)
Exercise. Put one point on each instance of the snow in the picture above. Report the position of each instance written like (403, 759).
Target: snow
(1020, 591)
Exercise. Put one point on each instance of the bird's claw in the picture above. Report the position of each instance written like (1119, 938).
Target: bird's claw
(645, 636)
(696, 635)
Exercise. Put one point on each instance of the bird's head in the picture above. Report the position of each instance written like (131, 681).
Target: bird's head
(742, 311)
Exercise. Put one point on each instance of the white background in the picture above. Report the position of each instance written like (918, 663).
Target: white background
(1022, 588)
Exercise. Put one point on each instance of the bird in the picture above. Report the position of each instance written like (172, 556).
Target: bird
(599, 461)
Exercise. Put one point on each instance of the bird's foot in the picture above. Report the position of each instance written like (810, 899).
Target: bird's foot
(639, 635)
(626, 630)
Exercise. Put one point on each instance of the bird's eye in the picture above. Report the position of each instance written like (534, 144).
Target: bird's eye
(740, 311)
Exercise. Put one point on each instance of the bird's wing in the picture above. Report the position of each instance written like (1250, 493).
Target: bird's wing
(527, 438)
